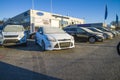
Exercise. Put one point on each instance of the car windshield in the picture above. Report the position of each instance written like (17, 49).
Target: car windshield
(103, 29)
(95, 29)
(52, 30)
(98, 30)
(13, 28)
(88, 30)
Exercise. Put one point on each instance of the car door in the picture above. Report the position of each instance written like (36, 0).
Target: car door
(39, 35)
(82, 34)
(1, 37)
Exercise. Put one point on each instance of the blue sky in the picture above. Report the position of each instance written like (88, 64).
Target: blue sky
(92, 11)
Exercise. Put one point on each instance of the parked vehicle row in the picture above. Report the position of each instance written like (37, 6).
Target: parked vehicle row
(54, 38)
(81, 33)
(107, 35)
(91, 34)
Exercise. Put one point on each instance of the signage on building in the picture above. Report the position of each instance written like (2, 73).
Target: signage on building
(40, 13)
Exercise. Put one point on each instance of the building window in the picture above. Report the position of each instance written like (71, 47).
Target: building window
(27, 19)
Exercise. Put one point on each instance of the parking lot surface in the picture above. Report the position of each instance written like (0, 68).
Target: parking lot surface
(99, 61)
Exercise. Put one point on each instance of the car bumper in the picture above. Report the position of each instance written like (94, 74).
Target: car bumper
(8, 42)
(60, 45)
(110, 37)
(100, 39)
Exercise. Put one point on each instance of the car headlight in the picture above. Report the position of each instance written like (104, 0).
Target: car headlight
(21, 36)
(50, 38)
(72, 38)
(100, 35)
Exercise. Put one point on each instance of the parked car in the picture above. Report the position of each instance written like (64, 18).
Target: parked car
(1, 38)
(106, 30)
(13, 35)
(81, 33)
(107, 35)
(53, 38)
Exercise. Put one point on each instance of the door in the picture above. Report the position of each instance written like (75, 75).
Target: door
(82, 35)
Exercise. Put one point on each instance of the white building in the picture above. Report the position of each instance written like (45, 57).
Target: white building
(32, 19)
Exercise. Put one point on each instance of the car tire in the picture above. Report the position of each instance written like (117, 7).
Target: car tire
(42, 45)
(92, 39)
(118, 48)
(36, 41)
(24, 44)
(105, 36)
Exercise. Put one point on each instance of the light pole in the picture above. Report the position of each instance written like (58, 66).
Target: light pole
(51, 10)
(32, 4)
(32, 27)
(51, 7)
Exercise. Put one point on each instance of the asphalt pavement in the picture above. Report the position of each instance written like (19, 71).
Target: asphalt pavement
(99, 61)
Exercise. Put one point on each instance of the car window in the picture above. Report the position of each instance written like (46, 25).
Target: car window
(80, 30)
(40, 30)
(93, 29)
(66, 29)
(88, 30)
(73, 29)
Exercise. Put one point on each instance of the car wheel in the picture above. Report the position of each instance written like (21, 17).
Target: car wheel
(42, 46)
(118, 48)
(92, 40)
(105, 36)
(24, 44)
(36, 41)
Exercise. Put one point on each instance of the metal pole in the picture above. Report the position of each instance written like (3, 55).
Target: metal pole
(51, 9)
(51, 6)
(32, 4)
(32, 18)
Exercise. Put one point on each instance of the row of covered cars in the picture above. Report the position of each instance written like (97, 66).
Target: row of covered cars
(53, 38)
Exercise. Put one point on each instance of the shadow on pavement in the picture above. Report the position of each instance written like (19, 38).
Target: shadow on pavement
(31, 46)
(10, 72)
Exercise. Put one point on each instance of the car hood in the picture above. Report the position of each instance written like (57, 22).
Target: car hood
(60, 36)
(108, 33)
(12, 33)
(96, 33)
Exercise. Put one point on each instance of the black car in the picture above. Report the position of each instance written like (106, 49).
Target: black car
(84, 34)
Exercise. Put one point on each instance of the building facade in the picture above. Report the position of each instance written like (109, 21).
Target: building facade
(32, 19)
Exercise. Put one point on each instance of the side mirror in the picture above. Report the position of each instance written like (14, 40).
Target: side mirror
(41, 32)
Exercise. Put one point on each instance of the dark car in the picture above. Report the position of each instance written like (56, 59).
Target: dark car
(1, 28)
(107, 35)
(84, 34)
(106, 30)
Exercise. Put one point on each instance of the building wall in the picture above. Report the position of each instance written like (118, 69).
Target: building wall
(32, 19)
(41, 18)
